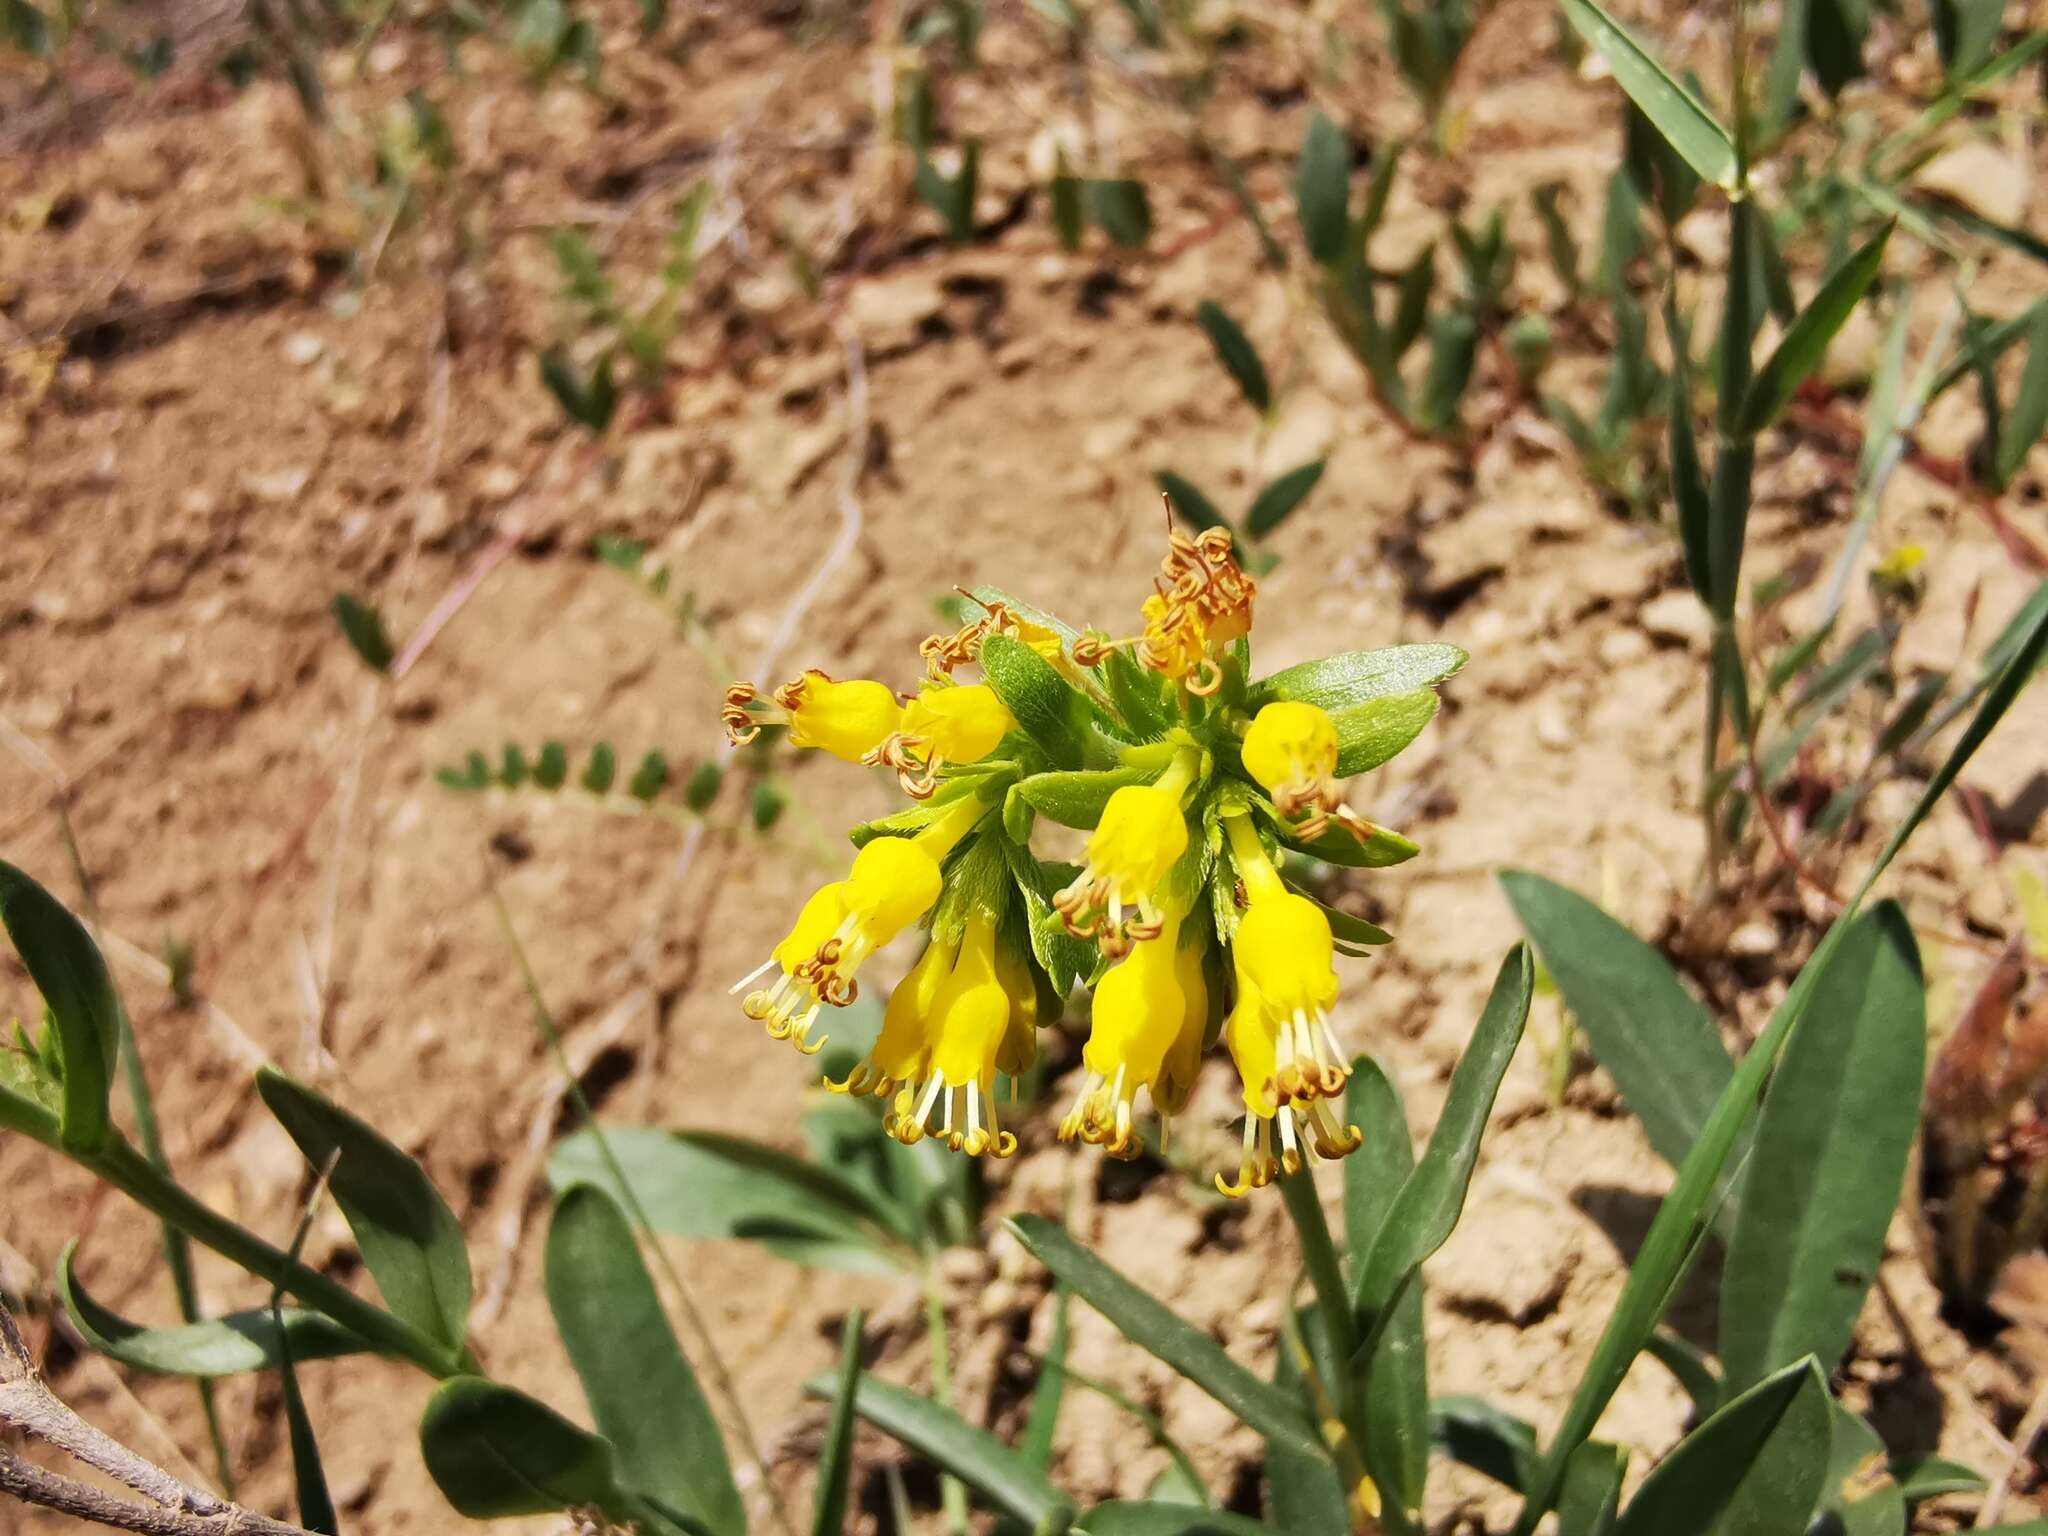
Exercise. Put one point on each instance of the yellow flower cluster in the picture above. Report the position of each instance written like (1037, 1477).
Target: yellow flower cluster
(1191, 783)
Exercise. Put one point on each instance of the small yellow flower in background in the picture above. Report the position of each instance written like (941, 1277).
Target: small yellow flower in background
(848, 720)
(960, 723)
(1291, 750)
(893, 882)
(1139, 1010)
(1901, 564)
(1141, 836)
(966, 1028)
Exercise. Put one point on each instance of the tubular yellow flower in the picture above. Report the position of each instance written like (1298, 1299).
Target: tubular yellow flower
(1308, 1129)
(1174, 1084)
(1291, 749)
(893, 882)
(1139, 838)
(1020, 1040)
(1283, 952)
(902, 1053)
(969, 1018)
(1139, 1010)
(848, 720)
(952, 724)
(943, 653)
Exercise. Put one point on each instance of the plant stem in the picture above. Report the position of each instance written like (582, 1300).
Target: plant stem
(952, 1492)
(1325, 1271)
(127, 1170)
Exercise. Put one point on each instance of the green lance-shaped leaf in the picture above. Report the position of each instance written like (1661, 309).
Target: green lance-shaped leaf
(1156, 1328)
(1688, 481)
(1077, 799)
(1278, 500)
(1235, 351)
(1453, 342)
(1754, 1468)
(1051, 711)
(1679, 115)
(1340, 682)
(1986, 343)
(1487, 1439)
(1379, 730)
(1431, 1198)
(1828, 1158)
(68, 971)
(835, 1458)
(410, 1240)
(1803, 345)
(496, 1453)
(551, 768)
(2024, 422)
(1835, 33)
(1304, 1494)
(1656, 1042)
(219, 1346)
(1858, 1494)
(1690, 1368)
(1069, 217)
(1042, 1423)
(1590, 1502)
(1672, 1241)
(1120, 206)
(1010, 1484)
(1161, 1519)
(650, 778)
(363, 628)
(1929, 1477)
(1322, 190)
(701, 1185)
(641, 1390)
(1397, 1383)
(1189, 503)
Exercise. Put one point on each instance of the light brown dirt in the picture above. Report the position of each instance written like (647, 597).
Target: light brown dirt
(238, 432)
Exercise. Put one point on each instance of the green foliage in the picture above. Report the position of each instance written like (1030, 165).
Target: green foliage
(363, 628)
(82, 1036)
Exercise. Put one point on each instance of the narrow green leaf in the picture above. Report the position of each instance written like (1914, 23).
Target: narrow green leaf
(1304, 1494)
(1277, 502)
(650, 778)
(601, 770)
(1678, 114)
(1122, 209)
(409, 1239)
(1557, 237)
(1691, 1368)
(495, 1453)
(1486, 1439)
(363, 627)
(1235, 351)
(1800, 351)
(701, 1185)
(1340, 682)
(1688, 481)
(309, 1473)
(1453, 343)
(1380, 848)
(1591, 1499)
(1835, 33)
(1069, 216)
(67, 970)
(1322, 190)
(1928, 1477)
(1042, 1423)
(1378, 730)
(1829, 1156)
(1857, 1494)
(551, 768)
(219, 1346)
(2028, 415)
(1397, 1379)
(1986, 343)
(1157, 1329)
(1659, 1046)
(941, 1436)
(1431, 1198)
(641, 1390)
(835, 1458)
(1754, 1468)
(1189, 504)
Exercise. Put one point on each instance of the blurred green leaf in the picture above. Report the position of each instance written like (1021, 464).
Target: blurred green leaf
(1755, 1467)
(1344, 681)
(1829, 1156)
(1426, 1209)
(28, 29)
(1397, 1376)
(1557, 236)
(835, 1457)
(1120, 206)
(701, 788)
(766, 804)
(1042, 1423)
(1800, 352)
(1453, 342)
(1412, 291)
(85, 1013)
(1928, 1477)
(1189, 504)
(1162, 1519)
(602, 768)
(1235, 351)
(1322, 190)
(697, 1184)
(551, 768)
(1835, 31)
(495, 1453)
(1690, 1367)
(1965, 31)
(1688, 482)
(1381, 846)
(1279, 499)
(1485, 1438)
(219, 1346)
(1591, 1498)
(410, 1241)
(1069, 216)
(1858, 1496)
(2028, 415)
(1158, 1330)
(641, 1390)
(650, 778)
(1677, 113)
(1644, 1027)
(1010, 1484)
(362, 627)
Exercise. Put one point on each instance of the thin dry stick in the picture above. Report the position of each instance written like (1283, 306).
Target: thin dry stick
(2022, 1447)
